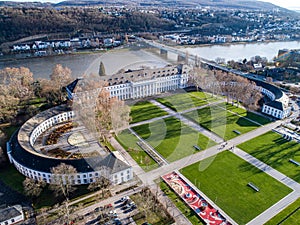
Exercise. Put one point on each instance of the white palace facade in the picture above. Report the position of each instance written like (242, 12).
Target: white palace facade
(144, 83)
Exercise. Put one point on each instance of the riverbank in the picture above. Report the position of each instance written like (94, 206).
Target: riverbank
(234, 43)
(21, 56)
(243, 51)
(86, 63)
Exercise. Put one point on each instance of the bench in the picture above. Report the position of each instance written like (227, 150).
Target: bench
(253, 186)
(197, 147)
(236, 131)
(295, 162)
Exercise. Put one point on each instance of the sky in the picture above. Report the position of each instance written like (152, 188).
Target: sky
(290, 4)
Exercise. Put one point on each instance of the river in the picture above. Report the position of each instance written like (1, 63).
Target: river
(241, 51)
(115, 60)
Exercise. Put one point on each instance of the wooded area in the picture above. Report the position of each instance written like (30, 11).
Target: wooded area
(16, 23)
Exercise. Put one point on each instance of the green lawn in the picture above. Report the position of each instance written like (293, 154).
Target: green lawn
(225, 180)
(221, 122)
(180, 102)
(289, 216)
(275, 151)
(128, 141)
(144, 111)
(180, 204)
(243, 112)
(172, 139)
(12, 178)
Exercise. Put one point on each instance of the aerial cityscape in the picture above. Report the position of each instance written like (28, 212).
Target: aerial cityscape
(149, 112)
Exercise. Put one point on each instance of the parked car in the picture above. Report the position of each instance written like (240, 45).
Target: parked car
(124, 198)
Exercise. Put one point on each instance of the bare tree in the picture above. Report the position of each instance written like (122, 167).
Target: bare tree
(33, 188)
(60, 77)
(100, 183)
(120, 116)
(62, 183)
(19, 81)
(8, 104)
(147, 161)
(111, 114)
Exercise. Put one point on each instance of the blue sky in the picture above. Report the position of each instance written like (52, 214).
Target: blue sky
(290, 4)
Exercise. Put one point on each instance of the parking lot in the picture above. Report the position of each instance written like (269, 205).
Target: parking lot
(116, 213)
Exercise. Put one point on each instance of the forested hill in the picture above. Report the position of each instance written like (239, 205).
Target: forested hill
(16, 23)
(233, 4)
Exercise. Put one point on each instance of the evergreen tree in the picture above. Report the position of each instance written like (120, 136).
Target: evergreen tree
(101, 69)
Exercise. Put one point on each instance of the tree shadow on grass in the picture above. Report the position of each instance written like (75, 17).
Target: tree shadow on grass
(274, 158)
(242, 122)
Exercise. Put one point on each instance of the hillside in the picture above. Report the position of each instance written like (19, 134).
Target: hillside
(232, 4)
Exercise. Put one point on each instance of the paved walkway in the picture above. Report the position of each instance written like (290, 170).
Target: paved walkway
(150, 150)
(287, 200)
(188, 122)
(149, 177)
(268, 214)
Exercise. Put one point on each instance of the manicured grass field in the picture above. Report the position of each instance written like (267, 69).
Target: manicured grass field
(243, 112)
(128, 141)
(180, 204)
(289, 216)
(275, 151)
(222, 122)
(172, 139)
(144, 111)
(225, 181)
(180, 102)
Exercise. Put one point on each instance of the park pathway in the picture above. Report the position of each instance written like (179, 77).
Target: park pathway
(188, 122)
(287, 200)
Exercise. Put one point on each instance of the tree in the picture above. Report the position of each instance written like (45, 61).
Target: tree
(33, 188)
(8, 104)
(147, 161)
(60, 77)
(120, 116)
(19, 81)
(111, 114)
(62, 183)
(100, 183)
(61, 180)
(101, 69)
(2, 155)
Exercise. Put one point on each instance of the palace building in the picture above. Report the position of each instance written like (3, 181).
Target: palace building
(28, 152)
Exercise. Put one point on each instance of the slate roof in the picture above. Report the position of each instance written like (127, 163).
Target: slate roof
(40, 163)
(275, 90)
(9, 213)
(276, 104)
(142, 75)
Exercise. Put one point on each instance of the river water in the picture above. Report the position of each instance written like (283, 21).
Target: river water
(241, 51)
(115, 60)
